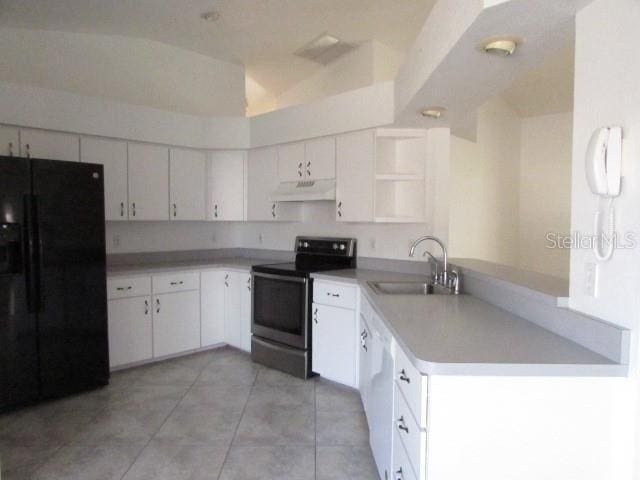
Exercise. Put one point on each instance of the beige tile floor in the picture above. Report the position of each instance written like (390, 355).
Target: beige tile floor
(212, 415)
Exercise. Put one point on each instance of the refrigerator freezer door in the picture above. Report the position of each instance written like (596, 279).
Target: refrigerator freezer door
(72, 307)
(18, 341)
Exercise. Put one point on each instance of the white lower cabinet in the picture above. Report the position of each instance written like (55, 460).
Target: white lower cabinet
(130, 330)
(334, 343)
(176, 322)
(401, 465)
(237, 309)
(212, 292)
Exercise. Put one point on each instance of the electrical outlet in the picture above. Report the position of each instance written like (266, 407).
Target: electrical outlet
(116, 241)
(591, 279)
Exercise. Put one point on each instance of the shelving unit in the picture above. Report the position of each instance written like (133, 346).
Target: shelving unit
(400, 180)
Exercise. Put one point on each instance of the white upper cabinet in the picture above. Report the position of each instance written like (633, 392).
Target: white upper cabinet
(291, 162)
(148, 182)
(49, 145)
(9, 141)
(226, 186)
(320, 158)
(262, 180)
(112, 154)
(311, 160)
(355, 154)
(187, 184)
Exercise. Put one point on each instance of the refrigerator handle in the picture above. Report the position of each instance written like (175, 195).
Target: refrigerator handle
(31, 257)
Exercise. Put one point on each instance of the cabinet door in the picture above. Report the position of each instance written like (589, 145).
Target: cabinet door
(113, 155)
(245, 311)
(212, 292)
(226, 186)
(233, 309)
(49, 145)
(364, 364)
(291, 162)
(262, 180)
(176, 323)
(148, 182)
(187, 184)
(334, 351)
(320, 158)
(130, 337)
(9, 142)
(355, 153)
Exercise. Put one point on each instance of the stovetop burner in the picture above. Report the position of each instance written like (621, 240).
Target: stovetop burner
(315, 254)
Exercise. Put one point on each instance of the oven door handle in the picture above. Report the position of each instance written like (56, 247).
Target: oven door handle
(286, 278)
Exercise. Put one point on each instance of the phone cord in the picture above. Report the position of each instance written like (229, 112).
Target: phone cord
(603, 238)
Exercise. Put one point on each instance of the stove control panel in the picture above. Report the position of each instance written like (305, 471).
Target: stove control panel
(344, 247)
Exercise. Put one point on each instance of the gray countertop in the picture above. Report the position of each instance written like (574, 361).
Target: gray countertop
(463, 335)
(443, 334)
(238, 263)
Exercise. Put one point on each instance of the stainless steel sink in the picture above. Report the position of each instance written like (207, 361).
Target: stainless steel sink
(408, 288)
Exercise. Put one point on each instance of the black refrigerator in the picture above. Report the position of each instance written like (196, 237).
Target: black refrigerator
(53, 305)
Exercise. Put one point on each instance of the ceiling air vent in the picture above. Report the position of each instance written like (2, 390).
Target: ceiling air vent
(324, 49)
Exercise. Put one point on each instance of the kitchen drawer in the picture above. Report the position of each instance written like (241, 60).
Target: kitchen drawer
(124, 287)
(334, 294)
(401, 468)
(413, 385)
(413, 438)
(176, 282)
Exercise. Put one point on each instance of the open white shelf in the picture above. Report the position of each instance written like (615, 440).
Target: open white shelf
(400, 187)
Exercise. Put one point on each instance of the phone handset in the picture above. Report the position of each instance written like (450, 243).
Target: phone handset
(603, 171)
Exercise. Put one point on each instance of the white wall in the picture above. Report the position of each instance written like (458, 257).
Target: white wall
(369, 63)
(484, 187)
(130, 70)
(607, 93)
(545, 192)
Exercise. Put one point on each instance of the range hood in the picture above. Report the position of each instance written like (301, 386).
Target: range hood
(305, 191)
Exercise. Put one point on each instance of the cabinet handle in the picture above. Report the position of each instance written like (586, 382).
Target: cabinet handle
(122, 209)
(363, 335)
(175, 210)
(249, 283)
(340, 209)
(122, 289)
(402, 425)
(273, 210)
(399, 474)
(226, 277)
(329, 294)
(157, 305)
(177, 283)
(403, 376)
(11, 149)
(146, 307)
(315, 315)
(300, 169)
(27, 150)
(308, 169)
(215, 210)
(133, 209)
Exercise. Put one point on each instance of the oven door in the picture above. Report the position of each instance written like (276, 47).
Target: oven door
(280, 308)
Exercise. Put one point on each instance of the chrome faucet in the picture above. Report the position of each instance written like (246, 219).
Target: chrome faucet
(450, 280)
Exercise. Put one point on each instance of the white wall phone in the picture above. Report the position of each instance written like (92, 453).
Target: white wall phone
(603, 171)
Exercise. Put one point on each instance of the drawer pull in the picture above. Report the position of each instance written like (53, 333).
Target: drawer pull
(329, 294)
(123, 289)
(402, 426)
(146, 307)
(403, 376)
(315, 315)
(399, 474)
(177, 283)
(157, 305)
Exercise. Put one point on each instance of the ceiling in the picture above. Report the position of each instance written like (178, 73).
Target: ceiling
(260, 34)
(547, 88)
